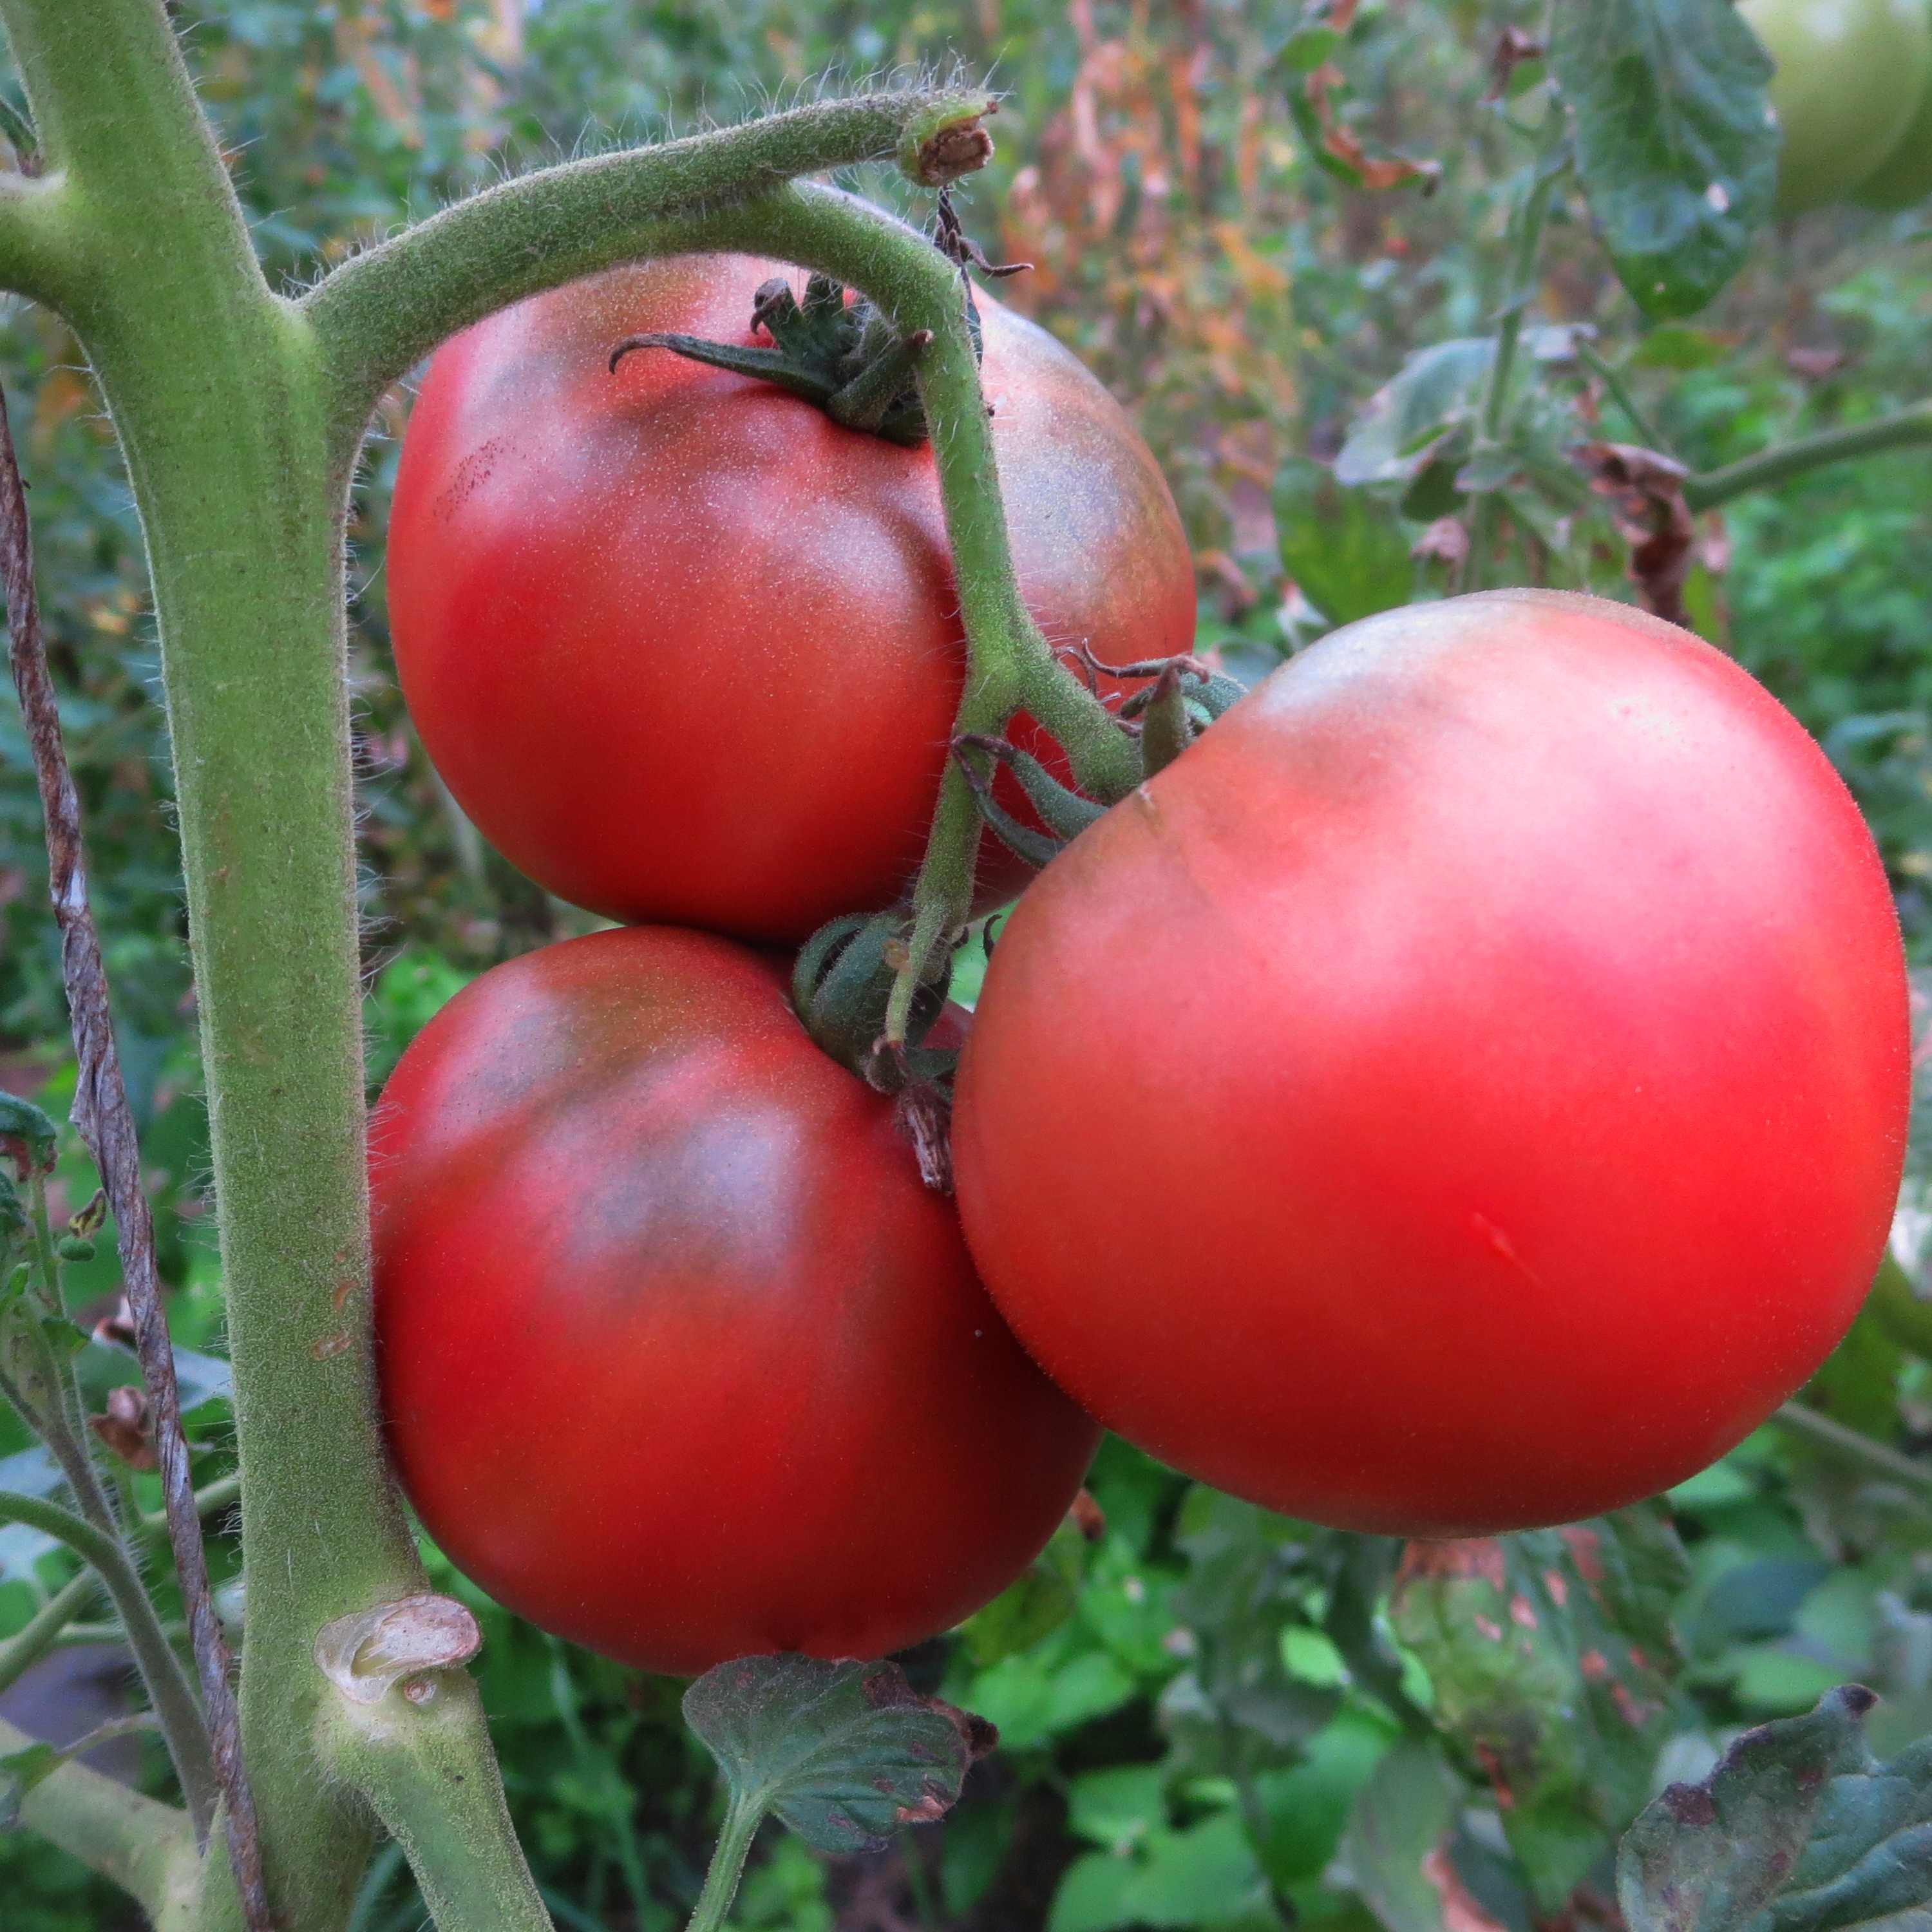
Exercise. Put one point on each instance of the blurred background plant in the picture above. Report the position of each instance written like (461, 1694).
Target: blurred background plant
(1212, 1718)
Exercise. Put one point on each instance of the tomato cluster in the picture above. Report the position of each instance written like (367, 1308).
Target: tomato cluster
(1464, 1089)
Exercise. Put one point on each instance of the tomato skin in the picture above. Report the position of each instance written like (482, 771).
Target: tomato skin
(1904, 178)
(678, 1359)
(688, 650)
(1849, 73)
(1466, 1090)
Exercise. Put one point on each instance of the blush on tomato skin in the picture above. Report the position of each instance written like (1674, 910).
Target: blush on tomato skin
(1466, 1090)
(678, 1358)
(687, 650)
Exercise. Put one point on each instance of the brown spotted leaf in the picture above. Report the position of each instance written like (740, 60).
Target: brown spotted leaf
(1551, 1654)
(843, 1753)
(1646, 495)
(1799, 1829)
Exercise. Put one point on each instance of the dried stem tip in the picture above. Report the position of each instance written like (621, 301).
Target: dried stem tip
(947, 141)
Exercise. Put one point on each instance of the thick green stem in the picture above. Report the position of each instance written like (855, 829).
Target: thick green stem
(1620, 394)
(1831, 1434)
(1545, 172)
(383, 311)
(1909, 428)
(145, 1848)
(416, 1764)
(161, 1671)
(47, 1626)
(742, 1818)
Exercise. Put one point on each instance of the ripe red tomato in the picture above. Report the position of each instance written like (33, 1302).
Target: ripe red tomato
(678, 1358)
(1465, 1090)
(686, 648)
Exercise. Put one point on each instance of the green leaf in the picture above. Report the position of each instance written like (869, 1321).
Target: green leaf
(843, 1753)
(1799, 1829)
(1347, 550)
(1401, 1821)
(27, 1135)
(1551, 1654)
(29, 1472)
(1676, 148)
(1394, 437)
(1250, 1571)
(1033, 1606)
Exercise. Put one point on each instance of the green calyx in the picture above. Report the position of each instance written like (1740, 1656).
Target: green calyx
(841, 982)
(843, 357)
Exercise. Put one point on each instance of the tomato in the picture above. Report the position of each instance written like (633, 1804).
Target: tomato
(686, 648)
(1904, 177)
(678, 1357)
(1465, 1090)
(1850, 75)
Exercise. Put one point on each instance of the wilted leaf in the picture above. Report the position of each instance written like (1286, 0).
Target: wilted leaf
(27, 1135)
(1550, 1653)
(845, 1752)
(1799, 1829)
(1646, 494)
(1346, 549)
(1676, 148)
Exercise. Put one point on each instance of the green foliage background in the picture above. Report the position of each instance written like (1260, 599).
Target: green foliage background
(1212, 1718)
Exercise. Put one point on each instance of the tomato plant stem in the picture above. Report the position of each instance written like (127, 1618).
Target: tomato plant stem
(1545, 172)
(741, 1819)
(1830, 1434)
(1909, 428)
(41, 1631)
(161, 1671)
(145, 1847)
(240, 414)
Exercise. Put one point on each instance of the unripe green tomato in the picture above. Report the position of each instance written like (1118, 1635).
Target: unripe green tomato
(1905, 176)
(1850, 75)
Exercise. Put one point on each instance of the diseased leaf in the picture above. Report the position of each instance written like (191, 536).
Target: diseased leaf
(1551, 1654)
(845, 1752)
(1676, 146)
(1799, 1829)
(1396, 1834)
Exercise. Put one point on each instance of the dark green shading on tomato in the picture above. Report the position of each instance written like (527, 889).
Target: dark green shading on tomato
(1466, 1090)
(1904, 177)
(688, 650)
(678, 1357)
(1850, 75)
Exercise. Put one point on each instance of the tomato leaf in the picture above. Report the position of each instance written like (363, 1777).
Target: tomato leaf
(1551, 1653)
(1799, 1829)
(1676, 148)
(27, 1135)
(843, 1753)
(1346, 551)
(1393, 1848)
(1034, 1605)
(1237, 1707)
(28, 1472)
(1395, 435)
